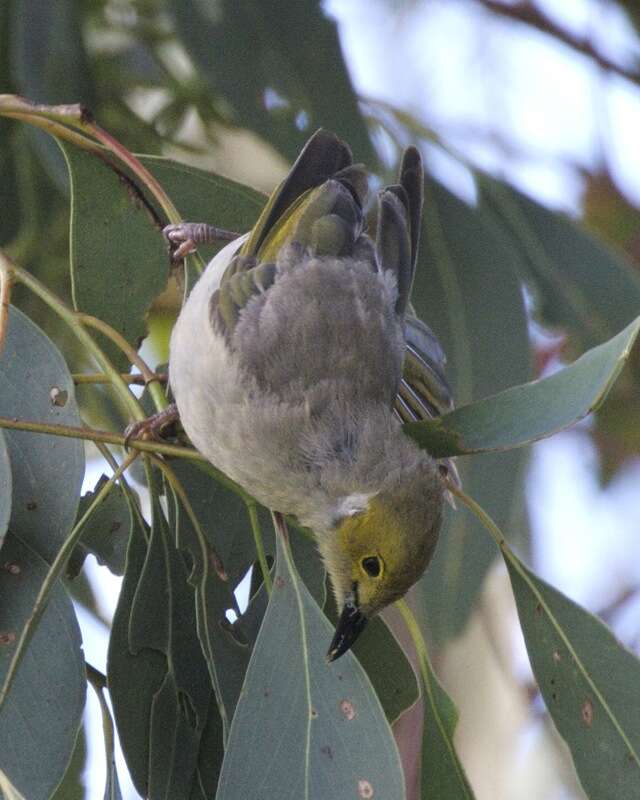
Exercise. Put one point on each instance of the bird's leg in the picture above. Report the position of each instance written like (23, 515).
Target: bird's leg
(185, 237)
(151, 427)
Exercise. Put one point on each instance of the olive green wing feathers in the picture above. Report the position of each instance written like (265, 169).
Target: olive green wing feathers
(319, 205)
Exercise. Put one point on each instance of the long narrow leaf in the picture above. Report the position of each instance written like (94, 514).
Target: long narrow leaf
(524, 414)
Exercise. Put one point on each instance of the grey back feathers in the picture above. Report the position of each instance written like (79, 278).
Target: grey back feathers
(310, 275)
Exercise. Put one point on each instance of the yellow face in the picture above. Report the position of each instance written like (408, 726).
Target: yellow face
(385, 553)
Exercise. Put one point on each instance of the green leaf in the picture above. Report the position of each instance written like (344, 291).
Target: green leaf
(112, 784)
(107, 532)
(466, 289)
(47, 470)
(385, 663)
(425, 733)
(579, 282)
(9, 191)
(331, 734)
(523, 414)
(290, 51)
(6, 486)
(202, 196)
(224, 520)
(206, 197)
(40, 718)
(161, 617)
(442, 775)
(133, 677)
(589, 681)
(73, 786)
(50, 64)
(118, 258)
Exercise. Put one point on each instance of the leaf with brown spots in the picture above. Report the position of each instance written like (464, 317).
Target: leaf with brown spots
(328, 733)
(40, 717)
(589, 681)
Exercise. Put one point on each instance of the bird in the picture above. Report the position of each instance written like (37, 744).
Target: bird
(297, 357)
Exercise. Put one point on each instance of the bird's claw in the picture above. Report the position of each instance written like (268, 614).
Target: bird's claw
(184, 237)
(151, 428)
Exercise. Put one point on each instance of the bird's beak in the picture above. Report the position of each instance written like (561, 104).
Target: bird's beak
(350, 625)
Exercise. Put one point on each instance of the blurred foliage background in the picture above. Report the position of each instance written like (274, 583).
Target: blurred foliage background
(528, 111)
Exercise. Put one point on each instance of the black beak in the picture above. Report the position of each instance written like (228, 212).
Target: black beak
(350, 625)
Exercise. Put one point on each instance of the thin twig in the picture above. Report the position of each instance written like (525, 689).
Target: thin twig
(528, 14)
(118, 339)
(114, 146)
(136, 379)
(93, 435)
(6, 282)
(207, 549)
(95, 677)
(70, 317)
(252, 508)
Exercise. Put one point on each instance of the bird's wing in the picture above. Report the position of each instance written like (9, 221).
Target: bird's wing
(319, 205)
(399, 221)
(424, 391)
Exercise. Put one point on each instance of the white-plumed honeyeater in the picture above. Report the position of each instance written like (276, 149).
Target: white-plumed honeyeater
(295, 360)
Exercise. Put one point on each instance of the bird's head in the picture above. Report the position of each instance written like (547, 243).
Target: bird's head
(380, 546)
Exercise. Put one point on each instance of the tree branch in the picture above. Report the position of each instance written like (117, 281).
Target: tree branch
(526, 13)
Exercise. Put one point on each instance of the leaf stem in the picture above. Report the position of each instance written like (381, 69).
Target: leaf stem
(58, 130)
(134, 378)
(73, 320)
(6, 282)
(114, 146)
(150, 377)
(95, 677)
(205, 545)
(429, 683)
(93, 435)
(62, 119)
(55, 571)
(120, 342)
(252, 508)
(479, 512)
(99, 683)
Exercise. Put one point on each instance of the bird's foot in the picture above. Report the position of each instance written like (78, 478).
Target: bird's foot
(152, 428)
(185, 237)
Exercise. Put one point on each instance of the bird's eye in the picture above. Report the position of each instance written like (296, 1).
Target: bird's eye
(371, 565)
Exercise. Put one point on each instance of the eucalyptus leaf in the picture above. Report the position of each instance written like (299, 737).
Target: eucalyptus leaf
(523, 414)
(386, 664)
(333, 739)
(72, 786)
(161, 618)
(224, 520)
(49, 64)
(118, 258)
(579, 282)
(35, 385)
(202, 196)
(589, 681)
(112, 784)
(10, 219)
(6, 487)
(442, 774)
(467, 290)
(133, 677)
(280, 90)
(107, 532)
(41, 716)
